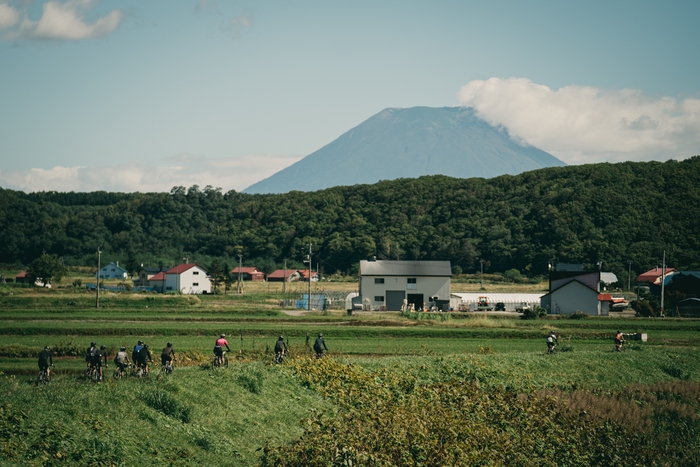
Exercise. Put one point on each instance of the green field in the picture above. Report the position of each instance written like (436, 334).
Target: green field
(452, 389)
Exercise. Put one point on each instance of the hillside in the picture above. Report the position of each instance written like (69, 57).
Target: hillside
(609, 212)
(409, 143)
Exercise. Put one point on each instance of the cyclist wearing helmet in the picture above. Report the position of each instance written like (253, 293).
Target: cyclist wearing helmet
(551, 342)
(219, 347)
(143, 357)
(91, 351)
(320, 346)
(168, 355)
(280, 349)
(100, 356)
(45, 360)
(135, 352)
(121, 360)
(619, 340)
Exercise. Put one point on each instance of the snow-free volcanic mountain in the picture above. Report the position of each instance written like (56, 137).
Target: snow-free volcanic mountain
(408, 143)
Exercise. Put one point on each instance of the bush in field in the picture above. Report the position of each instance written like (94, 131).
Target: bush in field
(387, 419)
(578, 315)
(535, 312)
(157, 397)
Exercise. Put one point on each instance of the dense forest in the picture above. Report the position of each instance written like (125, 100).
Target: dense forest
(612, 213)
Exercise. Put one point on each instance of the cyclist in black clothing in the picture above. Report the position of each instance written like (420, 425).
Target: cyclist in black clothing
(99, 358)
(280, 349)
(143, 357)
(168, 355)
(45, 360)
(135, 352)
(320, 346)
(91, 351)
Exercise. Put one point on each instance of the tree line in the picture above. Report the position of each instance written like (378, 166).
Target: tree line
(609, 213)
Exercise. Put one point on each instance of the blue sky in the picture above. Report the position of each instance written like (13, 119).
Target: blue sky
(142, 96)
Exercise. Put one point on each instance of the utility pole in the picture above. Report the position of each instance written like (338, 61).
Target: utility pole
(240, 268)
(629, 274)
(99, 266)
(482, 273)
(663, 283)
(309, 296)
(284, 279)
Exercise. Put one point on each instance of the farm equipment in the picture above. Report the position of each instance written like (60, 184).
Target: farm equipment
(482, 304)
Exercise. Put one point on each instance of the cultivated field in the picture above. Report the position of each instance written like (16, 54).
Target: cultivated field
(427, 389)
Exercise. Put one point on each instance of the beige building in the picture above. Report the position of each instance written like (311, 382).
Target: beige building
(390, 285)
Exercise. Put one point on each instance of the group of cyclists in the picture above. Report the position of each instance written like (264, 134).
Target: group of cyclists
(96, 360)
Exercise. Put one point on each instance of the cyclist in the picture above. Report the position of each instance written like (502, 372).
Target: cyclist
(320, 346)
(551, 342)
(619, 340)
(144, 357)
(219, 348)
(98, 359)
(91, 351)
(121, 360)
(135, 352)
(280, 349)
(45, 361)
(167, 356)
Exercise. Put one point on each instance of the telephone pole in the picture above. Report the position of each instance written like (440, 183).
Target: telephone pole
(629, 274)
(240, 268)
(663, 283)
(309, 296)
(482, 273)
(284, 280)
(99, 266)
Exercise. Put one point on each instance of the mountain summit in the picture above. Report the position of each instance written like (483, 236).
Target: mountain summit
(408, 143)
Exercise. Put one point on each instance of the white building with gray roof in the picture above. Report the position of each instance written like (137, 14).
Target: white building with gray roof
(385, 285)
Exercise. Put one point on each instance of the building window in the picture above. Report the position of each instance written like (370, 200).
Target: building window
(379, 298)
(168, 288)
(195, 273)
(113, 269)
(378, 280)
(411, 283)
(195, 284)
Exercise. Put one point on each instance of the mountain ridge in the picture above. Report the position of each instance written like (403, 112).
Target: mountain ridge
(408, 143)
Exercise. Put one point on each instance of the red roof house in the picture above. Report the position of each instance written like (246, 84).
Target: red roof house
(279, 275)
(304, 273)
(249, 273)
(653, 276)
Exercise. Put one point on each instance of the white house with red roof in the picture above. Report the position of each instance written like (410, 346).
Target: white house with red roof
(653, 276)
(188, 279)
(158, 281)
(282, 275)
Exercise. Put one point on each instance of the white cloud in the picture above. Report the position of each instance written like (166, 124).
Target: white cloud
(583, 124)
(8, 16)
(186, 170)
(66, 21)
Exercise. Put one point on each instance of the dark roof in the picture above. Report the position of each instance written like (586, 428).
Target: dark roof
(180, 268)
(151, 270)
(405, 268)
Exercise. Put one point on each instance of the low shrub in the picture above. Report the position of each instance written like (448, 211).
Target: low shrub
(578, 315)
(158, 398)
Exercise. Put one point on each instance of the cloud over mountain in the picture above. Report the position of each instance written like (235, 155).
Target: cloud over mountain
(584, 124)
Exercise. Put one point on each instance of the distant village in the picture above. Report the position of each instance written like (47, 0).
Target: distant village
(425, 286)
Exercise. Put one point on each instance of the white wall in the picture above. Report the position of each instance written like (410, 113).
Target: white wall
(574, 297)
(112, 271)
(428, 286)
(185, 282)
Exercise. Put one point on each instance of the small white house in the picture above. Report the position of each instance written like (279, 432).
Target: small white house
(576, 294)
(113, 271)
(188, 279)
(390, 285)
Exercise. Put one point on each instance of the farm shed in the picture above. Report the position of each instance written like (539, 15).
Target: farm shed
(386, 285)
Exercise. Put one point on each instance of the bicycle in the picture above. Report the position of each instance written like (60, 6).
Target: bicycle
(220, 361)
(279, 357)
(551, 350)
(167, 369)
(120, 372)
(92, 373)
(141, 371)
(44, 377)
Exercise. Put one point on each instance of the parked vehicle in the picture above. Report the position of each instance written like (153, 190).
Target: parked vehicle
(500, 306)
(522, 308)
(482, 304)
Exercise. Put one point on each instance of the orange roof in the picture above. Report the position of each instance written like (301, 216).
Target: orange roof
(604, 297)
(21, 275)
(280, 273)
(654, 275)
(158, 277)
(247, 270)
